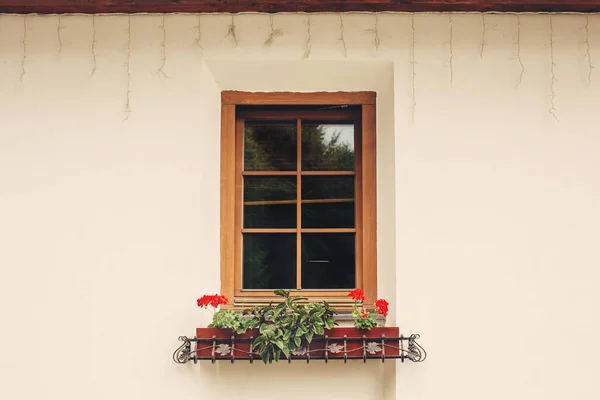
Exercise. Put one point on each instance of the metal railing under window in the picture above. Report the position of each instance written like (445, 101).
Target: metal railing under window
(321, 348)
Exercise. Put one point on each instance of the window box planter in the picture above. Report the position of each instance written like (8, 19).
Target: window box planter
(337, 343)
(295, 331)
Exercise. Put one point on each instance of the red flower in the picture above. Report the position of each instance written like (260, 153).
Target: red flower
(212, 300)
(357, 295)
(382, 307)
(204, 301)
(364, 315)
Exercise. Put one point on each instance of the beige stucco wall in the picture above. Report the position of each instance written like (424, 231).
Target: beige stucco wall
(489, 185)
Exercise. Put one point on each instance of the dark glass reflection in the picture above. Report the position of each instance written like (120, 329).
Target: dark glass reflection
(328, 202)
(270, 202)
(327, 147)
(328, 260)
(269, 261)
(270, 146)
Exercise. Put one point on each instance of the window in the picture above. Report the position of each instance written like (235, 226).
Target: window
(298, 195)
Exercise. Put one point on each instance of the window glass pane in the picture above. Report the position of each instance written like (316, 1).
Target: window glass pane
(269, 261)
(328, 260)
(270, 202)
(327, 147)
(328, 202)
(270, 146)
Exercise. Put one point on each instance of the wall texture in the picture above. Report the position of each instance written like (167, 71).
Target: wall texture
(489, 185)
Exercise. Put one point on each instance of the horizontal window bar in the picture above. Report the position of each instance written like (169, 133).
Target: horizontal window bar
(302, 230)
(311, 201)
(303, 173)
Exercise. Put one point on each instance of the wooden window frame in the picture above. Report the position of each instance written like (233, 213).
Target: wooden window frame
(231, 183)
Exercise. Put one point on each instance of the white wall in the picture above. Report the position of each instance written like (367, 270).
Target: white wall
(489, 184)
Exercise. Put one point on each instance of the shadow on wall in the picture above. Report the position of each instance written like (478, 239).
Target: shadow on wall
(318, 380)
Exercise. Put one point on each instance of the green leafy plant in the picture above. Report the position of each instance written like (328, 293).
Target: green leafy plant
(229, 319)
(284, 327)
(223, 319)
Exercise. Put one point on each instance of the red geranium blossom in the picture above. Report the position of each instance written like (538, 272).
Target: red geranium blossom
(382, 307)
(357, 295)
(212, 300)
(364, 315)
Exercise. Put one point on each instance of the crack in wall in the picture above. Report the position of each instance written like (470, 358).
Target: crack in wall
(231, 32)
(483, 31)
(199, 38)
(552, 109)
(414, 73)
(587, 50)
(451, 58)
(128, 102)
(94, 64)
(376, 39)
(308, 39)
(24, 45)
(519, 50)
(163, 47)
(375, 31)
(273, 33)
(341, 38)
(58, 29)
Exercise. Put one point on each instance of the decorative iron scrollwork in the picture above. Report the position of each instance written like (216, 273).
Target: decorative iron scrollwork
(184, 353)
(335, 348)
(223, 349)
(415, 352)
(300, 351)
(373, 348)
(338, 349)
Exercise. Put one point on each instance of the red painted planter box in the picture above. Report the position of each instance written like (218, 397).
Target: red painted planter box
(337, 343)
(222, 348)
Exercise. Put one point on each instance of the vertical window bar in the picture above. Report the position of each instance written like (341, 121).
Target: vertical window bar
(239, 144)
(298, 204)
(358, 203)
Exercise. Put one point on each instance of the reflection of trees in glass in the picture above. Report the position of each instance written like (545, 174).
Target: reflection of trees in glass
(321, 154)
(328, 201)
(273, 148)
(269, 261)
(255, 269)
(270, 202)
(270, 148)
(338, 250)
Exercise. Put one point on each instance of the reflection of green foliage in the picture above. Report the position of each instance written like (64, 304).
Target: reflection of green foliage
(255, 267)
(318, 154)
(258, 189)
(255, 157)
(269, 260)
(342, 153)
(339, 250)
(272, 148)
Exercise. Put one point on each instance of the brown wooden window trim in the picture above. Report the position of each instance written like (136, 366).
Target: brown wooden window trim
(231, 183)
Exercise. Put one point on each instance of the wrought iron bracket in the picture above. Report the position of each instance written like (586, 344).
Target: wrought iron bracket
(371, 348)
